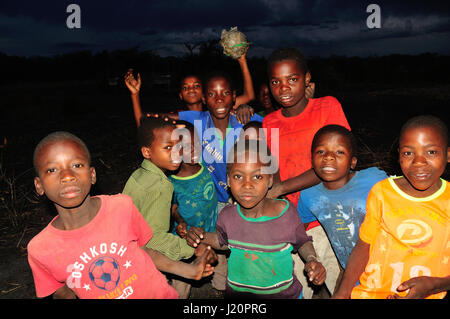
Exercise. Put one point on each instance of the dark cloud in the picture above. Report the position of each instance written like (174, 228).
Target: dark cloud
(321, 27)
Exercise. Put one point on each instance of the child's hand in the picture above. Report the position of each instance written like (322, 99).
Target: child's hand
(244, 113)
(132, 84)
(200, 266)
(194, 236)
(181, 229)
(419, 288)
(316, 272)
(212, 257)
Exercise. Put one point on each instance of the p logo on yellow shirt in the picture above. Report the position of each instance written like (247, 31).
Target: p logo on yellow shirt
(414, 232)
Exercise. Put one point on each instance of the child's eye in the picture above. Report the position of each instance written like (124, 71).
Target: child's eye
(320, 152)
(432, 152)
(340, 152)
(50, 170)
(79, 165)
(293, 79)
(237, 176)
(407, 153)
(257, 177)
(274, 82)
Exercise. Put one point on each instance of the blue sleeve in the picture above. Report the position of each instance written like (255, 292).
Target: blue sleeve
(256, 117)
(189, 116)
(303, 210)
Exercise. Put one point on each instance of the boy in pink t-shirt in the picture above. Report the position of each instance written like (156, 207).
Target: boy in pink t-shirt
(92, 249)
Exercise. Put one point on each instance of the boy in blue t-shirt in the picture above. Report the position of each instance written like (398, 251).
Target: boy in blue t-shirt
(217, 129)
(339, 202)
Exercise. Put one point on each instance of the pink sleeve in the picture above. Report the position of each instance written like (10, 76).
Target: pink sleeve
(140, 227)
(44, 282)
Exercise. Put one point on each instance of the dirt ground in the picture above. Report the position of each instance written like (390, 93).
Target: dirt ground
(103, 118)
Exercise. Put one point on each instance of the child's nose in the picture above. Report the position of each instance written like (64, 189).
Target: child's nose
(419, 159)
(67, 175)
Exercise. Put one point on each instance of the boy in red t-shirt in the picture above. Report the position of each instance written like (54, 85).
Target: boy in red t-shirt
(95, 246)
(298, 120)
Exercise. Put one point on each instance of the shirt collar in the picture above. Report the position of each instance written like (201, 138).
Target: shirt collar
(149, 166)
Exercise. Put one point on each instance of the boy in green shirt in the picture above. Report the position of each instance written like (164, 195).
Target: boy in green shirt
(152, 191)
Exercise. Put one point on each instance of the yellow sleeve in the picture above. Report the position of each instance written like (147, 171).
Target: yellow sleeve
(372, 221)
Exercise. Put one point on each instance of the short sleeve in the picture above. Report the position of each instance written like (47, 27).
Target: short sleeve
(44, 282)
(189, 116)
(140, 227)
(221, 230)
(303, 211)
(371, 224)
(336, 114)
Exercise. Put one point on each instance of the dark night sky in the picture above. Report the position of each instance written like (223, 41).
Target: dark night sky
(318, 28)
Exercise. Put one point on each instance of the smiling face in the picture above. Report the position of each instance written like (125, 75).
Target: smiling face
(288, 83)
(64, 173)
(191, 91)
(423, 156)
(219, 97)
(332, 160)
(163, 150)
(248, 186)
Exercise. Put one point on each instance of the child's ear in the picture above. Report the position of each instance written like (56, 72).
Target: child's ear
(270, 181)
(307, 78)
(234, 97)
(203, 99)
(38, 186)
(146, 152)
(181, 96)
(353, 164)
(93, 176)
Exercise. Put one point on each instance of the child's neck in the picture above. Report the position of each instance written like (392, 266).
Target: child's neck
(221, 125)
(338, 184)
(266, 207)
(73, 218)
(187, 170)
(296, 109)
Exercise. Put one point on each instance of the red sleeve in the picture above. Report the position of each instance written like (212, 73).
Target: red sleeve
(336, 114)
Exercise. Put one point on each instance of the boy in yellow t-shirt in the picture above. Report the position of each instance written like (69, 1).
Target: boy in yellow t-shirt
(404, 245)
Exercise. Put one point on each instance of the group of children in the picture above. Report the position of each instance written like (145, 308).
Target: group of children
(205, 203)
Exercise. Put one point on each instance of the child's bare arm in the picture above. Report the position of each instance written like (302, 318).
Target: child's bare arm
(356, 264)
(181, 228)
(64, 293)
(422, 287)
(294, 184)
(134, 85)
(249, 93)
(197, 235)
(314, 269)
(196, 270)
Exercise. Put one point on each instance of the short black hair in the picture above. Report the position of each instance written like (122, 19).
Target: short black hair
(145, 133)
(218, 74)
(56, 137)
(282, 54)
(426, 120)
(243, 146)
(336, 129)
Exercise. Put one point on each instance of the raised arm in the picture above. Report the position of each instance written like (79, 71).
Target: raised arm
(249, 93)
(134, 85)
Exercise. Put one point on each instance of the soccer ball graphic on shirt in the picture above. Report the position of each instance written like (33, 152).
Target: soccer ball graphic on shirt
(105, 273)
